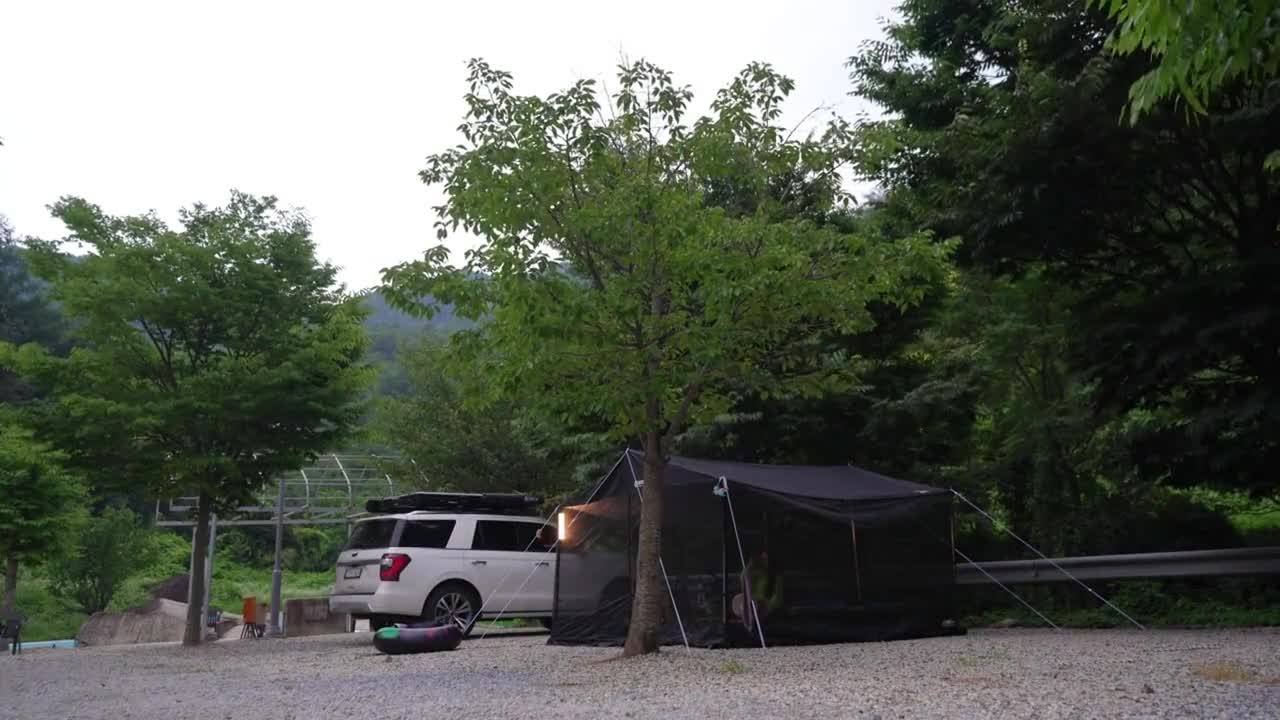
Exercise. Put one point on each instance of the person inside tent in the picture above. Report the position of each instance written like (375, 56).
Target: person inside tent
(765, 591)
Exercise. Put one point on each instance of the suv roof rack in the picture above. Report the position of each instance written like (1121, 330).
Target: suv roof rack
(480, 503)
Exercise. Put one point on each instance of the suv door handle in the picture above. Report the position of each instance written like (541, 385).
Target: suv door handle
(479, 562)
(543, 563)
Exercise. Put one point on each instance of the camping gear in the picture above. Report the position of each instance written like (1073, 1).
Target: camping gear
(253, 625)
(396, 640)
(862, 556)
(11, 629)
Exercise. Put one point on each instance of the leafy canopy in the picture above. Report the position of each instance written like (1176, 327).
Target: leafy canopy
(107, 550)
(1200, 47)
(633, 263)
(1002, 130)
(25, 313)
(42, 502)
(500, 446)
(216, 355)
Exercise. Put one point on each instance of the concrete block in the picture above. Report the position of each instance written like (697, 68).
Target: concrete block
(311, 616)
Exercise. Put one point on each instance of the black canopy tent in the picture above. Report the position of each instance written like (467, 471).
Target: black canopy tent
(849, 555)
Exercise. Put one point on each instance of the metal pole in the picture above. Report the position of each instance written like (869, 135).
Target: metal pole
(208, 570)
(277, 571)
(191, 569)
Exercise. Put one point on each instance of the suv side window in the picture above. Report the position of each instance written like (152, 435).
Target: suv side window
(505, 535)
(371, 534)
(426, 533)
(543, 536)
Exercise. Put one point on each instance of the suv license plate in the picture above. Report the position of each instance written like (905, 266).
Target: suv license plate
(352, 572)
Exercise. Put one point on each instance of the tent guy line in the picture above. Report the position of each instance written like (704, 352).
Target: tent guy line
(1047, 559)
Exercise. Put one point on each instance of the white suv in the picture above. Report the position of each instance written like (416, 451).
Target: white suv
(446, 567)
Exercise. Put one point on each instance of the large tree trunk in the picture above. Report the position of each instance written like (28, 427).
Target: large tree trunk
(10, 583)
(194, 632)
(643, 635)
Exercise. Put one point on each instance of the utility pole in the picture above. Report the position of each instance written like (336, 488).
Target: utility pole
(277, 569)
(208, 571)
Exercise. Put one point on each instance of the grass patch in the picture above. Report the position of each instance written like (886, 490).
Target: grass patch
(732, 667)
(1230, 671)
(1221, 604)
(232, 583)
(49, 617)
(969, 662)
(1256, 522)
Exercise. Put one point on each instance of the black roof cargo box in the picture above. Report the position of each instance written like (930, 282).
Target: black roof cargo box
(480, 503)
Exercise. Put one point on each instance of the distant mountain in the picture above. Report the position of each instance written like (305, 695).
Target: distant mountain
(390, 330)
(384, 317)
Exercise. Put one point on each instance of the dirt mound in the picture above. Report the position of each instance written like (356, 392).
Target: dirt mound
(160, 620)
(174, 588)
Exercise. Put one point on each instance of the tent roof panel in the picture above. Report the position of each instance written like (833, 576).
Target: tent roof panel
(834, 482)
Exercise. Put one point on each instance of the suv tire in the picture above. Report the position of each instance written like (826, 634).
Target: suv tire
(452, 602)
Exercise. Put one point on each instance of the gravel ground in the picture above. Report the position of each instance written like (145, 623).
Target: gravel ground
(987, 674)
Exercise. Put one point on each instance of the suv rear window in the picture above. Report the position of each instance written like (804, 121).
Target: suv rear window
(506, 536)
(372, 534)
(426, 533)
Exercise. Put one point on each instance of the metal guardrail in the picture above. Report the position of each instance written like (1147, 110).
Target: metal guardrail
(1185, 564)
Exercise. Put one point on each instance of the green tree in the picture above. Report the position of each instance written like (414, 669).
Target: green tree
(217, 355)
(494, 445)
(909, 415)
(109, 548)
(42, 503)
(618, 281)
(1001, 129)
(25, 313)
(1199, 47)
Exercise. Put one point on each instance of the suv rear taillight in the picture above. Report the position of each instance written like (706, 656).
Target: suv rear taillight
(392, 565)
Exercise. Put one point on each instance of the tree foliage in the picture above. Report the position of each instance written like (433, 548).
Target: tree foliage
(107, 549)
(25, 313)
(216, 356)
(1003, 130)
(42, 503)
(1200, 47)
(496, 445)
(635, 265)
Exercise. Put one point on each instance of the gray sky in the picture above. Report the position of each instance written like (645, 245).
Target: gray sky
(333, 106)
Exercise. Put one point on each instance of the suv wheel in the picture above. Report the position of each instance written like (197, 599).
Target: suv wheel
(452, 603)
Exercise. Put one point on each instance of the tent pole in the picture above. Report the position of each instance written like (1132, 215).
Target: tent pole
(1047, 559)
(857, 574)
(755, 611)
(661, 566)
(555, 588)
(724, 571)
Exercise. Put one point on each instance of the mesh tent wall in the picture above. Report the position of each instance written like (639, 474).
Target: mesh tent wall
(857, 555)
